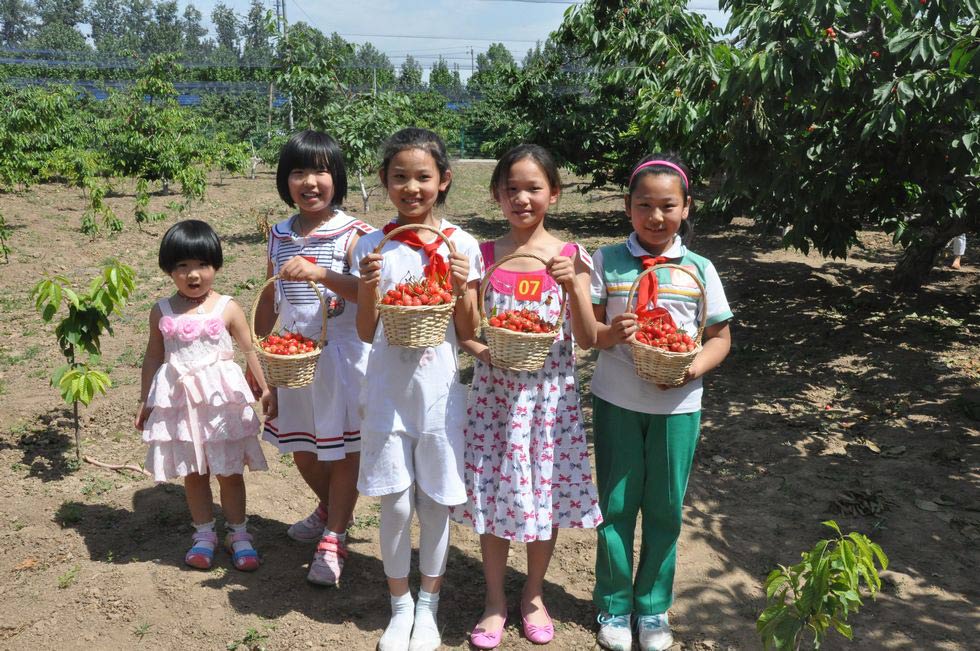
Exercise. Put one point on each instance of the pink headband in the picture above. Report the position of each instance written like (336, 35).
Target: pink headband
(663, 163)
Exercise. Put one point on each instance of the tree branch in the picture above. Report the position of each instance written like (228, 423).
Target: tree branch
(116, 467)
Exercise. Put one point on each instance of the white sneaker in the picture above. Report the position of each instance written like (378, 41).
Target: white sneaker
(615, 632)
(655, 632)
(309, 529)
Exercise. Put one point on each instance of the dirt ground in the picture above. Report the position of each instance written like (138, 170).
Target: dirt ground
(838, 401)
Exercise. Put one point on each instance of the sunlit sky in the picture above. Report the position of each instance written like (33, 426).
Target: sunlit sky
(456, 29)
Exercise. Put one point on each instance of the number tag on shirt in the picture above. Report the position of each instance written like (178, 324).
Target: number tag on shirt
(528, 287)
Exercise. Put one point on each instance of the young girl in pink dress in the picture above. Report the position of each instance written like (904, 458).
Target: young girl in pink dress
(526, 462)
(195, 407)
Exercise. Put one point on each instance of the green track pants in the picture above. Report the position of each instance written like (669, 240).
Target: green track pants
(642, 463)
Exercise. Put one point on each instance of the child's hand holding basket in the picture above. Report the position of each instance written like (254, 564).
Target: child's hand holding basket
(661, 353)
(288, 359)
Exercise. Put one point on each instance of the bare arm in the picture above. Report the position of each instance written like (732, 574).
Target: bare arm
(618, 332)
(152, 361)
(574, 276)
(717, 343)
(477, 349)
(466, 316)
(265, 314)
(239, 331)
(367, 296)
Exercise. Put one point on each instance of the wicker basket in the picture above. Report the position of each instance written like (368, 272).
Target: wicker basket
(659, 365)
(517, 351)
(420, 326)
(290, 371)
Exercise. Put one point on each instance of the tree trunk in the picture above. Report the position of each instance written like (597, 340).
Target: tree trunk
(913, 268)
(364, 193)
(78, 436)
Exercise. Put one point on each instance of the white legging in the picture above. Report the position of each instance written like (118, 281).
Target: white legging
(396, 533)
(959, 244)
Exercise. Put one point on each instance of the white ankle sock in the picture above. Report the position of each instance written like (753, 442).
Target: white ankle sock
(207, 527)
(339, 536)
(239, 528)
(425, 635)
(399, 630)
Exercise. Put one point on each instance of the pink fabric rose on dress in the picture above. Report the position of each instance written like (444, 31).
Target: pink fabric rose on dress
(188, 329)
(168, 327)
(213, 328)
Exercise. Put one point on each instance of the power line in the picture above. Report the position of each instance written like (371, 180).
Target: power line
(536, 2)
(445, 38)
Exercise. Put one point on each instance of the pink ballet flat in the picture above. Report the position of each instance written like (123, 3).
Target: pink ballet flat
(484, 639)
(538, 634)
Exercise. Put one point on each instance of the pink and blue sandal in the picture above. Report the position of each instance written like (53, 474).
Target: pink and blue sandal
(202, 557)
(246, 560)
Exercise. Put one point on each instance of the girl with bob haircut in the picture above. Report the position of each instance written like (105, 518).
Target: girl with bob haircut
(195, 408)
(318, 424)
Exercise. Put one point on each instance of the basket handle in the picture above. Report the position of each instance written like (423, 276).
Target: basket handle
(255, 307)
(485, 283)
(704, 293)
(414, 227)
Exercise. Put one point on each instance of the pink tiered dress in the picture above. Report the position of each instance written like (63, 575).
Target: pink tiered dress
(202, 418)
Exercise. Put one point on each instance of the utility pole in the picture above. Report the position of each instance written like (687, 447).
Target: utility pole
(281, 26)
(472, 65)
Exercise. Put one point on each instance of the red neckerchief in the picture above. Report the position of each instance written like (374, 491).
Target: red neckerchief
(437, 269)
(647, 292)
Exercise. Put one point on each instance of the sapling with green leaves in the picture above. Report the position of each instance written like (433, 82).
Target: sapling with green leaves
(4, 238)
(821, 591)
(79, 332)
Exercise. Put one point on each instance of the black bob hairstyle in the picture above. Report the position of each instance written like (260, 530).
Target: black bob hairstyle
(190, 239)
(312, 150)
(416, 138)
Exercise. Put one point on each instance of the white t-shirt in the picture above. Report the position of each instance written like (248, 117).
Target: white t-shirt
(413, 391)
(615, 268)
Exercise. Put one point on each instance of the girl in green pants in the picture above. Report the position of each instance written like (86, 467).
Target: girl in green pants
(645, 434)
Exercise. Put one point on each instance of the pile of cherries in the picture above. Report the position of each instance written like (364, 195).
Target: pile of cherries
(521, 321)
(287, 343)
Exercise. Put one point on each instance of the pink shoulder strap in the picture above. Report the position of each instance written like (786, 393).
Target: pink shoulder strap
(486, 248)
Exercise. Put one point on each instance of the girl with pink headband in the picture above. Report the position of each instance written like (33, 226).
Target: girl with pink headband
(645, 434)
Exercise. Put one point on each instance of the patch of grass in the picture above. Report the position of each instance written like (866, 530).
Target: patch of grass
(287, 460)
(68, 513)
(12, 302)
(68, 578)
(17, 525)
(96, 486)
(132, 357)
(141, 631)
(369, 520)
(251, 641)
